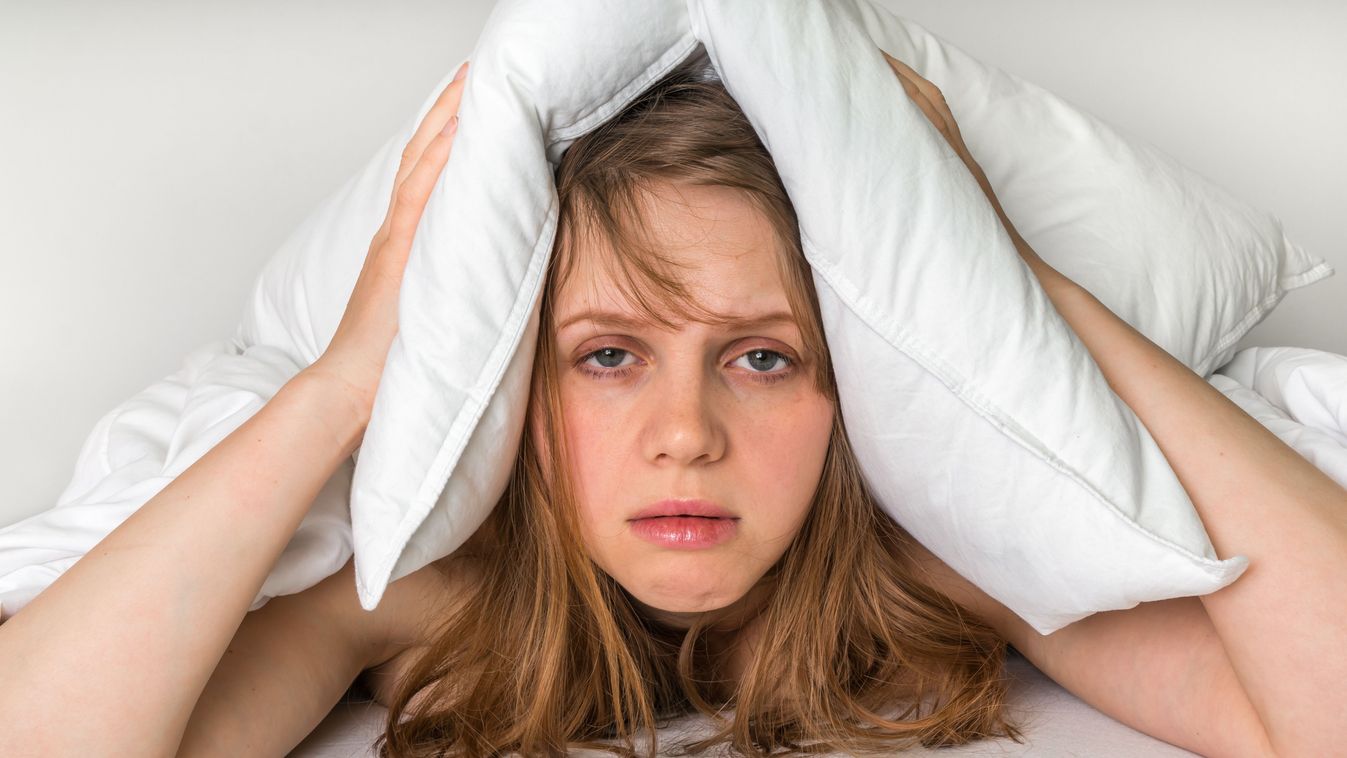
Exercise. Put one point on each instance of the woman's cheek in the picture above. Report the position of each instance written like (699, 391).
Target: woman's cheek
(794, 447)
(592, 434)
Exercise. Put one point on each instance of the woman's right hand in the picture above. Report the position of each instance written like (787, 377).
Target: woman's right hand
(354, 359)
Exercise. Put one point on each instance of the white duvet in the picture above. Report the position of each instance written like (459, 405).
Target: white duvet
(1299, 394)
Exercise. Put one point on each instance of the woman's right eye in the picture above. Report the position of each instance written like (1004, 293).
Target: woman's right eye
(609, 362)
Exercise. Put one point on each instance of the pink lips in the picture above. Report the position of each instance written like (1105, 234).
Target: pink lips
(684, 524)
(687, 532)
(689, 507)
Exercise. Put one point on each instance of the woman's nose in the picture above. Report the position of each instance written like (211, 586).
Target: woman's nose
(682, 420)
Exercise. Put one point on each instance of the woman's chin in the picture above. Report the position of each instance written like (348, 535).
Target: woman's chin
(679, 596)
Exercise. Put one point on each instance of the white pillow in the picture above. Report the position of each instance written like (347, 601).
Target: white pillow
(979, 419)
(965, 394)
(1191, 267)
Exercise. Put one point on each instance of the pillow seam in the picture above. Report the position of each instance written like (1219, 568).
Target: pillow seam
(1262, 309)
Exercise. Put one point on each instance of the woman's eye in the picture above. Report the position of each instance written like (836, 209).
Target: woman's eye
(761, 362)
(606, 357)
(766, 366)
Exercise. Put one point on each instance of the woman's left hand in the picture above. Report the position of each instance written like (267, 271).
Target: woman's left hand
(928, 97)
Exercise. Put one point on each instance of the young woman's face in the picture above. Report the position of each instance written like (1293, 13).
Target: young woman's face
(727, 415)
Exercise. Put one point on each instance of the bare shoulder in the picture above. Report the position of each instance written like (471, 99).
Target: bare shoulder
(950, 582)
(412, 607)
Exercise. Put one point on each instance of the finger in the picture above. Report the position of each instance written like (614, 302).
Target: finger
(909, 79)
(444, 108)
(943, 105)
(416, 188)
(928, 108)
(928, 89)
(907, 72)
(911, 82)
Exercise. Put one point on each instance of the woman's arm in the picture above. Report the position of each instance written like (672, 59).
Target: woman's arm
(292, 660)
(1283, 623)
(112, 657)
(288, 664)
(1159, 668)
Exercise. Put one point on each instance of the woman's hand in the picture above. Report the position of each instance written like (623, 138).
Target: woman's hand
(355, 357)
(928, 97)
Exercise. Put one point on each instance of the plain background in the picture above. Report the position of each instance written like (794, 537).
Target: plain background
(154, 154)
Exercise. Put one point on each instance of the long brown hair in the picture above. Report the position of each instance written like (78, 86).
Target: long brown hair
(546, 652)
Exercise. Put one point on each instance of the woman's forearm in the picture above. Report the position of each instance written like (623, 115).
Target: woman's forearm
(1284, 621)
(112, 657)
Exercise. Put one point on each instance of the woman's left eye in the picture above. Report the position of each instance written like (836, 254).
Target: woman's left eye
(761, 361)
(610, 363)
(610, 358)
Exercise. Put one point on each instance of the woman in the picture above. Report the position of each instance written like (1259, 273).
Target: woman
(570, 618)
(685, 362)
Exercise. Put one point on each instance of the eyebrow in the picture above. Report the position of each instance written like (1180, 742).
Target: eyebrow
(625, 321)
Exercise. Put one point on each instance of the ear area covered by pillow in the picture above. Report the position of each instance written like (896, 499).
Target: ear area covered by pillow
(981, 422)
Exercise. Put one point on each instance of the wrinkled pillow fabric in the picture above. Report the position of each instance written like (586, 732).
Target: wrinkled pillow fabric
(1187, 264)
(981, 423)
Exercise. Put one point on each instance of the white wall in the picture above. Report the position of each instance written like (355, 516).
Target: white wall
(154, 154)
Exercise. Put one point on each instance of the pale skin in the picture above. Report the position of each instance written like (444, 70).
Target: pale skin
(1250, 670)
(728, 414)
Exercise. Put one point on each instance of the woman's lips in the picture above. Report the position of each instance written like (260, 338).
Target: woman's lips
(685, 532)
(683, 507)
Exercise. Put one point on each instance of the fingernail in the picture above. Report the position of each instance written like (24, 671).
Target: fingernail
(462, 71)
(452, 125)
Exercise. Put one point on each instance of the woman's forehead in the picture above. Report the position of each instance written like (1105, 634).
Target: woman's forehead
(725, 264)
(743, 289)
(633, 319)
